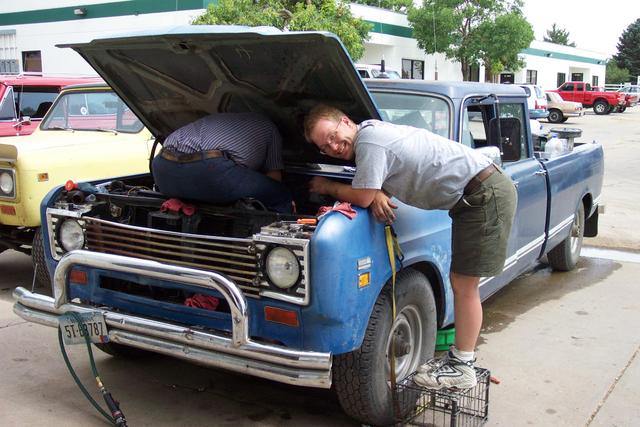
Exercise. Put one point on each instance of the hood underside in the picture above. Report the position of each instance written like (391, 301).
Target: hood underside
(173, 77)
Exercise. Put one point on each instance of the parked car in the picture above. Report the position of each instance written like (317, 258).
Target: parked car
(536, 101)
(560, 110)
(88, 134)
(300, 302)
(25, 99)
(631, 95)
(602, 102)
(375, 72)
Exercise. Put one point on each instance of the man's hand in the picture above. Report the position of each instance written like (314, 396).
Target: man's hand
(320, 185)
(382, 208)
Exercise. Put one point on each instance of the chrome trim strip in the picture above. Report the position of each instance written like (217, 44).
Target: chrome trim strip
(520, 253)
(558, 228)
(305, 368)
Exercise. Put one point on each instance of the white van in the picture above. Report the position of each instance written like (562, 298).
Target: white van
(367, 71)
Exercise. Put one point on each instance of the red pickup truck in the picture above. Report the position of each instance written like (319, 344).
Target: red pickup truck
(602, 102)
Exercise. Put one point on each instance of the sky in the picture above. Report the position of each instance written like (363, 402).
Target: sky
(594, 25)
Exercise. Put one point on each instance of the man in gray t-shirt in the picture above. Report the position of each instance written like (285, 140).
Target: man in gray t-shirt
(427, 171)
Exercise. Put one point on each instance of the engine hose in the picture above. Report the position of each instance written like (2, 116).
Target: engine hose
(116, 417)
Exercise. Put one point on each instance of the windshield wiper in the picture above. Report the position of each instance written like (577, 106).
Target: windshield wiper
(60, 128)
(115, 132)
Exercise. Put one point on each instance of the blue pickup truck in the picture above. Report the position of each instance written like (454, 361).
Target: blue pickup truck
(296, 301)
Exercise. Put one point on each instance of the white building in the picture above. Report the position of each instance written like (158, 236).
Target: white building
(30, 29)
(549, 65)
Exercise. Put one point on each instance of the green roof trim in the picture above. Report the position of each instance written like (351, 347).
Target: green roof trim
(565, 56)
(391, 30)
(139, 7)
(104, 10)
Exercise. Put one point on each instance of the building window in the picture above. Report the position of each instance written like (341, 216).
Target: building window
(594, 80)
(562, 77)
(475, 73)
(577, 77)
(532, 77)
(412, 69)
(32, 61)
(506, 78)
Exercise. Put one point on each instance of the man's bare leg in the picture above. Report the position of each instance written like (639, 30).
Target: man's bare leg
(468, 310)
(456, 368)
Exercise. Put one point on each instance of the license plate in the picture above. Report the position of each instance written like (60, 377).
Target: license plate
(92, 325)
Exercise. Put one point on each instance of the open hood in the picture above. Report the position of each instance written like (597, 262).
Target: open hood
(172, 77)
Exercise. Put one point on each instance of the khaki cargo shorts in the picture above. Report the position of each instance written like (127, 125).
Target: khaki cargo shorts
(481, 226)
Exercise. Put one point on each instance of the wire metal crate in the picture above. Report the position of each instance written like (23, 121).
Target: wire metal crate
(446, 407)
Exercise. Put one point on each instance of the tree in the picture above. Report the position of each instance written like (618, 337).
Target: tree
(394, 5)
(615, 74)
(323, 15)
(629, 49)
(558, 36)
(500, 41)
(461, 29)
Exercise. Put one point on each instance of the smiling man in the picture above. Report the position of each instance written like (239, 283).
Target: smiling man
(427, 171)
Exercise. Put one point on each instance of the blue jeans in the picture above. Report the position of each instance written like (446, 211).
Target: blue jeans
(219, 181)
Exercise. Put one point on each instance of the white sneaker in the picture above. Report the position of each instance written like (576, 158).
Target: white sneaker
(446, 372)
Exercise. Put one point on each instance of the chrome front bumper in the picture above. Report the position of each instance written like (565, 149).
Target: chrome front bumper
(236, 352)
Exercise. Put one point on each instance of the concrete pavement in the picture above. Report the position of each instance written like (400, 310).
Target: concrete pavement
(564, 345)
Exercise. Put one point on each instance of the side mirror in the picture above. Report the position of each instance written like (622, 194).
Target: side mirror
(492, 152)
(506, 134)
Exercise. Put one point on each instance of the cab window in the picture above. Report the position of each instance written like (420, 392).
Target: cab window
(476, 125)
(8, 105)
(33, 101)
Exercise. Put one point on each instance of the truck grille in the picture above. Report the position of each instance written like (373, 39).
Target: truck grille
(233, 257)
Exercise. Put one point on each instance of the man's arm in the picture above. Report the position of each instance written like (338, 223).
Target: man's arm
(343, 192)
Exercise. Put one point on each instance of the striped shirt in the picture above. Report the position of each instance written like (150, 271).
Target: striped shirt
(249, 139)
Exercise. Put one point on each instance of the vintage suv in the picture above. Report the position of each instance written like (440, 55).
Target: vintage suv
(300, 303)
(88, 134)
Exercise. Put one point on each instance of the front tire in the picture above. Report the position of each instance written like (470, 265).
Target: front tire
(601, 107)
(43, 279)
(555, 116)
(361, 377)
(565, 256)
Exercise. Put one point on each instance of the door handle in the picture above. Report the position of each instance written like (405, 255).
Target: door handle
(540, 172)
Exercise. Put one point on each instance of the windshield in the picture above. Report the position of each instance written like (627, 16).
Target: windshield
(95, 110)
(422, 111)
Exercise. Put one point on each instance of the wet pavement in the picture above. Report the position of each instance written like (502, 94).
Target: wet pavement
(563, 345)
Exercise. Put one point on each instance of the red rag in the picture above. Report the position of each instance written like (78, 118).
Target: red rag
(202, 301)
(175, 205)
(344, 208)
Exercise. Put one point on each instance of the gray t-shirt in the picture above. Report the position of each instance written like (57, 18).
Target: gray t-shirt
(418, 167)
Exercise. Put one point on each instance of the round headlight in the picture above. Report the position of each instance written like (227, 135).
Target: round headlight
(6, 183)
(282, 267)
(71, 235)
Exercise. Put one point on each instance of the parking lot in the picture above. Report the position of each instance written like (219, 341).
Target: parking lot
(564, 345)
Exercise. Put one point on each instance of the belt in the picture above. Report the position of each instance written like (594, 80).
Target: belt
(193, 157)
(475, 182)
